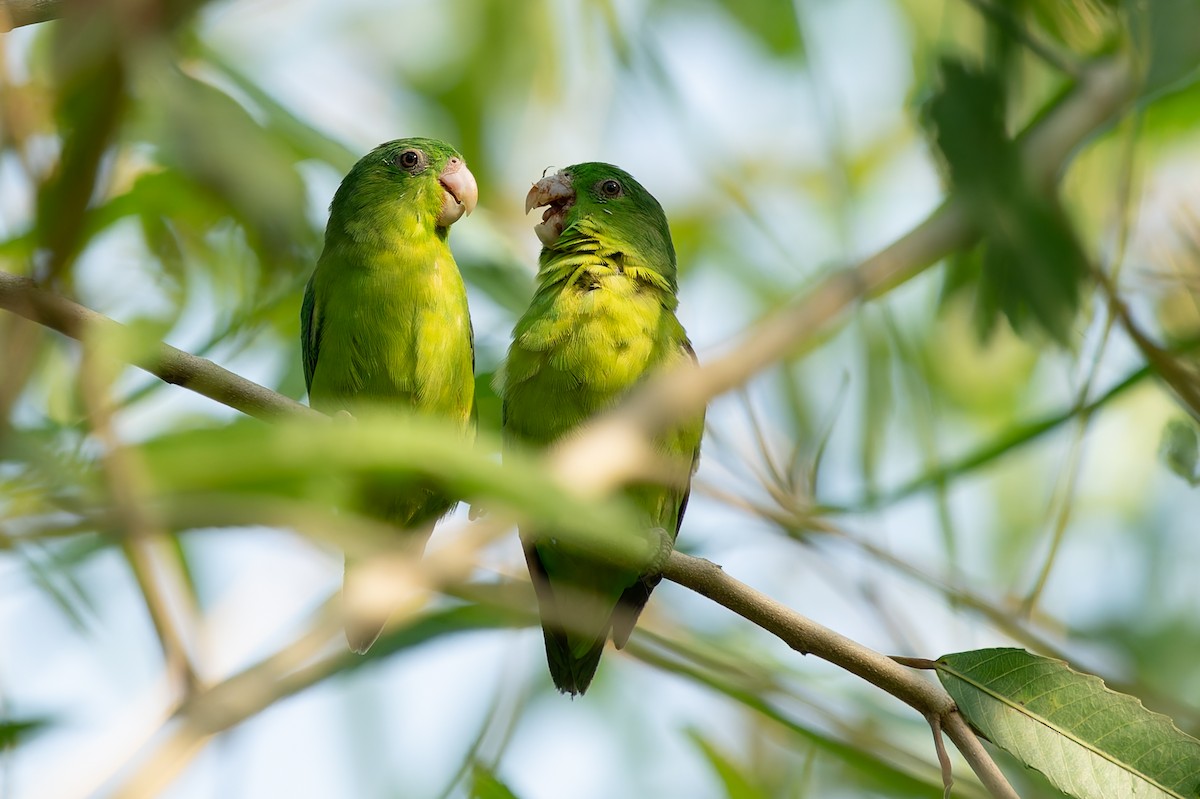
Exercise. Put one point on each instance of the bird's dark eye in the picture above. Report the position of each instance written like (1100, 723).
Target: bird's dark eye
(409, 159)
(610, 188)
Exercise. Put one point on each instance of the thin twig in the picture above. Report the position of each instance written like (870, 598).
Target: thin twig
(1179, 377)
(1069, 480)
(971, 748)
(808, 637)
(127, 485)
(24, 297)
(939, 745)
(406, 588)
(1105, 90)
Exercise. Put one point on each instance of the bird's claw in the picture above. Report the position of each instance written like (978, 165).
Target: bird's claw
(662, 544)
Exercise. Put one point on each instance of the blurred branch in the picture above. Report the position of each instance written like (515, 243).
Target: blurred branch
(127, 485)
(1003, 18)
(592, 460)
(1180, 377)
(836, 733)
(301, 664)
(17, 13)
(1105, 89)
(24, 297)
(1067, 484)
(809, 638)
(1010, 440)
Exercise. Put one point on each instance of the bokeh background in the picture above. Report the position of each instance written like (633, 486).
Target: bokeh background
(924, 479)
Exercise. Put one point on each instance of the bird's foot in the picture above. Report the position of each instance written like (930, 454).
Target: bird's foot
(343, 415)
(662, 544)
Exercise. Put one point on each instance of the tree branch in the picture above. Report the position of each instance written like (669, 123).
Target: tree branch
(126, 478)
(16, 13)
(587, 460)
(599, 459)
(1105, 89)
(306, 661)
(810, 638)
(24, 297)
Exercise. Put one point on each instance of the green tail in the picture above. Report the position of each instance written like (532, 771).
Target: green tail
(572, 673)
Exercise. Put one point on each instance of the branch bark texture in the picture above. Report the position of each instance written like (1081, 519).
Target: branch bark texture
(24, 297)
(810, 638)
(17, 13)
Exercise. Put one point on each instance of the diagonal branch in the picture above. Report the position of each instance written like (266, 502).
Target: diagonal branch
(17, 13)
(1105, 90)
(306, 661)
(24, 297)
(810, 638)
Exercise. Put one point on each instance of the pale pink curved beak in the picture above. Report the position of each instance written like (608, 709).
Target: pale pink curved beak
(556, 192)
(460, 193)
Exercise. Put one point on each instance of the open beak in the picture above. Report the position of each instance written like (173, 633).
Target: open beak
(459, 192)
(557, 193)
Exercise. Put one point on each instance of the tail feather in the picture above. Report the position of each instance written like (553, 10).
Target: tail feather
(629, 607)
(572, 673)
(575, 623)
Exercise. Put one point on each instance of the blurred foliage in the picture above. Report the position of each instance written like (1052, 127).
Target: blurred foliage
(169, 164)
(485, 785)
(1030, 267)
(1180, 449)
(14, 732)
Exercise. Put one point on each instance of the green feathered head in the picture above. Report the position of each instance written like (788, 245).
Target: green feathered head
(597, 202)
(422, 183)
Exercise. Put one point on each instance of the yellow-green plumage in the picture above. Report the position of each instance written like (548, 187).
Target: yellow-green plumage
(384, 324)
(601, 320)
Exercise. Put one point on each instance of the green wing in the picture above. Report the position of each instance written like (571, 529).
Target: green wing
(310, 333)
(685, 440)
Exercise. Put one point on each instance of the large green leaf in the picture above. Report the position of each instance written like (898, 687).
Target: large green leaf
(1088, 740)
(322, 462)
(1167, 29)
(1032, 264)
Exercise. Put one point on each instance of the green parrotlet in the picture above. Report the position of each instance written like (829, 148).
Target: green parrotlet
(602, 319)
(384, 324)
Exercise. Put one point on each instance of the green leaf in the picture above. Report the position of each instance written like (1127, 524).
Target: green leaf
(737, 783)
(328, 461)
(1032, 264)
(228, 158)
(1088, 740)
(1167, 28)
(1180, 449)
(14, 732)
(486, 785)
(773, 24)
